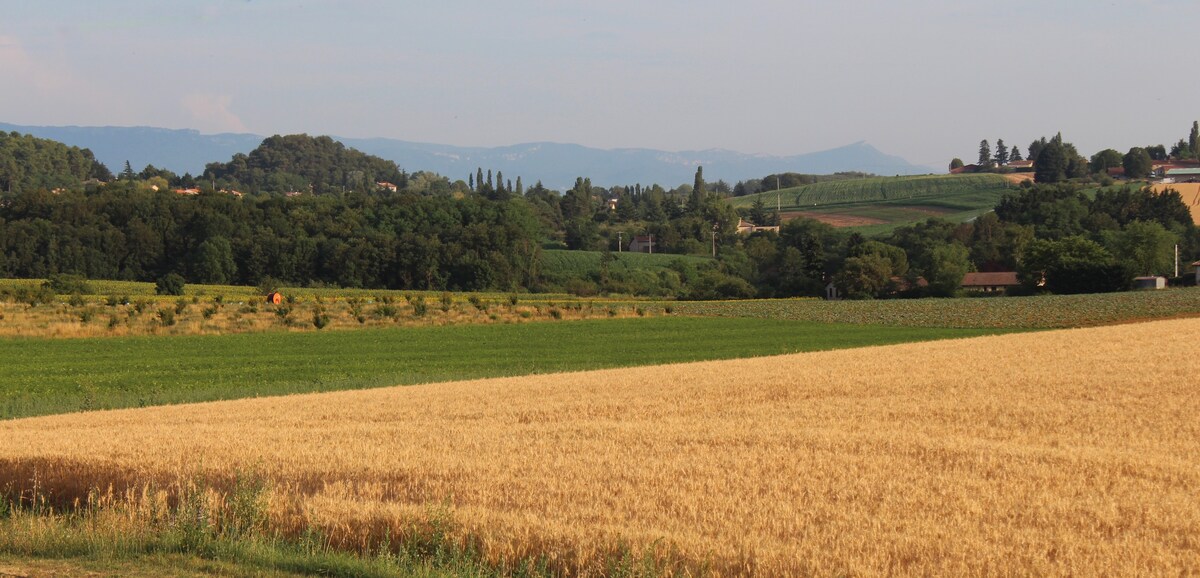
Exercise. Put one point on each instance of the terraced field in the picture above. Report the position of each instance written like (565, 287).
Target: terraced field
(1068, 452)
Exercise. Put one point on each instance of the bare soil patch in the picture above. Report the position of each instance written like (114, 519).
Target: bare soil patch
(833, 219)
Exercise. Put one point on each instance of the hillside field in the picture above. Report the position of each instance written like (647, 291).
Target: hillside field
(879, 204)
(1070, 452)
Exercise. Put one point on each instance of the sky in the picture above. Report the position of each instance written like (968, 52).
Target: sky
(922, 79)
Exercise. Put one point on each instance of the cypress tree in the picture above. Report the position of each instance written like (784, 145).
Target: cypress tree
(985, 154)
(520, 189)
(1194, 138)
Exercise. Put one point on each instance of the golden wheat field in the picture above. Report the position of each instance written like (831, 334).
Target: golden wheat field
(1072, 452)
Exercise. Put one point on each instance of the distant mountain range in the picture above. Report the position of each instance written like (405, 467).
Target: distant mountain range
(556, 165)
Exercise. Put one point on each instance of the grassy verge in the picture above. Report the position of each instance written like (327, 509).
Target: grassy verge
(46, 376)
(203, 534)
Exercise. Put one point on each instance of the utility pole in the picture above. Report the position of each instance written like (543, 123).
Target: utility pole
(1177, 260)
(619, 243)
(651, 244)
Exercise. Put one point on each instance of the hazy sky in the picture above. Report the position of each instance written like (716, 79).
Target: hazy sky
(923, 79)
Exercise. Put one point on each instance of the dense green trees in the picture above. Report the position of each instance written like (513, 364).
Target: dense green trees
(28, 163)
(360, 240)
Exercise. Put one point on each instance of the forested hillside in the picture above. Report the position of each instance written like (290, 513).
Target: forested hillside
(28, 163)
(305, 164)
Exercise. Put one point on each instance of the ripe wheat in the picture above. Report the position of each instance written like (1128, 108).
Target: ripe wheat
(1065, 452)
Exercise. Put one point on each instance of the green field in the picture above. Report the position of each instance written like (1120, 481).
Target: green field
(44, 376)
(558, 263)
(1040, 312)
(893, 200)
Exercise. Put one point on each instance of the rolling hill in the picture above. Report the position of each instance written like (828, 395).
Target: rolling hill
(880, 204)
(555, 164)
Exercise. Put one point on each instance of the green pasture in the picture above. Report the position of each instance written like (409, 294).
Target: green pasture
(45, 376)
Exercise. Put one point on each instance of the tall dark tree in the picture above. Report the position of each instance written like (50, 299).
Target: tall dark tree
(1137, 163)
(985, 154)
(1014, 154)
(1001, 152)
(520, 188)
(1035, 149)
(956, 163)
(127, 173)
(1194, 139)
(1050, 166)
(695, 202)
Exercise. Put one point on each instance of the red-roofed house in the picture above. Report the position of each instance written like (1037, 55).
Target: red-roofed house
(990, 282)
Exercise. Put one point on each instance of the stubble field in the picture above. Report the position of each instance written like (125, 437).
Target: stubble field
(1065, 452)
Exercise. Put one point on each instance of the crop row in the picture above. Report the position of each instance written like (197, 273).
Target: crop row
(1041, 312)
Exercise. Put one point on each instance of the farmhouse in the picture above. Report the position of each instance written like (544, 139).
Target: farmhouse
(745, 227)
(1020, 165)
(990, 282)
(642, 244)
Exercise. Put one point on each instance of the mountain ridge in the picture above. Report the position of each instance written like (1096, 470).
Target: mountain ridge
(555, 164)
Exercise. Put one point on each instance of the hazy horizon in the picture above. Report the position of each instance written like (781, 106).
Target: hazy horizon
(925, 80)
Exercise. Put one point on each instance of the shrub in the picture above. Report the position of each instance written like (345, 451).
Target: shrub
(388, 311)
(447, 300)
(180, 306)
(166, 317)
(477, 302)
(169, 284)
(64, 283)
(320, 319)
(114, 301)
(419, 307)
(76, 300)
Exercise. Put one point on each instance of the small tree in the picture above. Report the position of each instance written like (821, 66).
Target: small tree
(169, 284)
(956, 163)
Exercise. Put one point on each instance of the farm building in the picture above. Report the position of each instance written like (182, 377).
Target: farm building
(990, 282)
(1150, 282)
(1020, 165)
(745, 227)
(642, 244)
(1188, 175)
